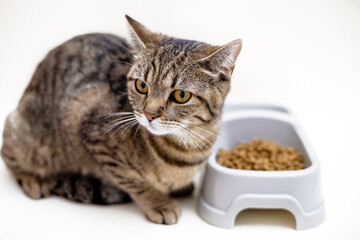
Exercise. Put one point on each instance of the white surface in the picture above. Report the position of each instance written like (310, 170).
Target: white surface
(301, 54)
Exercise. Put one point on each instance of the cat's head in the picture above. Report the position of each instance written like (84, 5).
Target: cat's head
(174, 82)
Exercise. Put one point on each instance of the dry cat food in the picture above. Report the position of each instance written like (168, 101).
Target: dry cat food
(261, 155)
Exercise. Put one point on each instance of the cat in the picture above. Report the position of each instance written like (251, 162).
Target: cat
(104, 121)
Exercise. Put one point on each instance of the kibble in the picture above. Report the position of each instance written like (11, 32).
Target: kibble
(262, 155)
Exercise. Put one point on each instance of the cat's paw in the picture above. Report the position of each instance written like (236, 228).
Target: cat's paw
(32, 187)
(168, 213)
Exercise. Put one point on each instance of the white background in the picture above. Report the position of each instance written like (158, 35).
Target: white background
(304, 55)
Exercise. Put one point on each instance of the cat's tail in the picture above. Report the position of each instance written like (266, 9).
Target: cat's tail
(87, 189)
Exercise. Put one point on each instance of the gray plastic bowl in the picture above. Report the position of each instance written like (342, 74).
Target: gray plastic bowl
(225, 192)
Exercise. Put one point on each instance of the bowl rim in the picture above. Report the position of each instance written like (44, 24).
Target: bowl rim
(274, 114)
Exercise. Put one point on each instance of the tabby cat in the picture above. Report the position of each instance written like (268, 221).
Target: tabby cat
(106, 122)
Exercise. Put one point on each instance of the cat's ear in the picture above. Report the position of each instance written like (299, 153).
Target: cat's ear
(141, 35)
(223, 59)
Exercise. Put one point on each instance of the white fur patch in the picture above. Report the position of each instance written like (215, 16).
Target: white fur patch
(155, 126)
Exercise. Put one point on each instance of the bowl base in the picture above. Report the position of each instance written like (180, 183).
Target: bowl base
(226, 219)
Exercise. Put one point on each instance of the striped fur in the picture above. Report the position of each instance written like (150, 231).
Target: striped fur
(77, 131)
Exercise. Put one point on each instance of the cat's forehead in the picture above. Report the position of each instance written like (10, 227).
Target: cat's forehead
(165, 66)
(166, 55)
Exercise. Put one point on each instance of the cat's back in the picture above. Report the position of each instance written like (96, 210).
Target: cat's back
(80, 75)
(82, 63)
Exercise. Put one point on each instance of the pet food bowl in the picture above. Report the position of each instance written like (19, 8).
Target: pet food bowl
(225, 192)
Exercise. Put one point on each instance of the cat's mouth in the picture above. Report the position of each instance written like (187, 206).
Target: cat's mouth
(154, 127)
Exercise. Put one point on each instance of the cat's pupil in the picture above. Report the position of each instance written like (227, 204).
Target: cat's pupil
(182, 94)
(143, 85)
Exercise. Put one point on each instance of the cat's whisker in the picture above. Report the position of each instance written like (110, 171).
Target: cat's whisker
(119, 61)
(117, 123)
(129, 127)
(185, 125)
(137, 130)
(198, 140)
(127, 49)
(124, 125)
(121, 94)
(109, 115)
(195, 142)
(186, 145)
(200, 151)
(202, 137)
(137, 114)
(190, 141)
(199, 135)
(196, 137)
(119, 126)
(200, 128)
(179, 137)
(117, 120)
(171, 125)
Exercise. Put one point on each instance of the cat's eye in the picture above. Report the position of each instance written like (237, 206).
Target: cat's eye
(180, 96)
(141, 87)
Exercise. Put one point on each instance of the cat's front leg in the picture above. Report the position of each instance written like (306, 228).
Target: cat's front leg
(157, 206)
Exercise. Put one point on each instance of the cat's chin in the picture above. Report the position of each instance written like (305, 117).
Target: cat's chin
(156, 131)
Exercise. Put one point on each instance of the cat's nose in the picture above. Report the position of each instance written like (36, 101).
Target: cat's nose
(151, 116)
